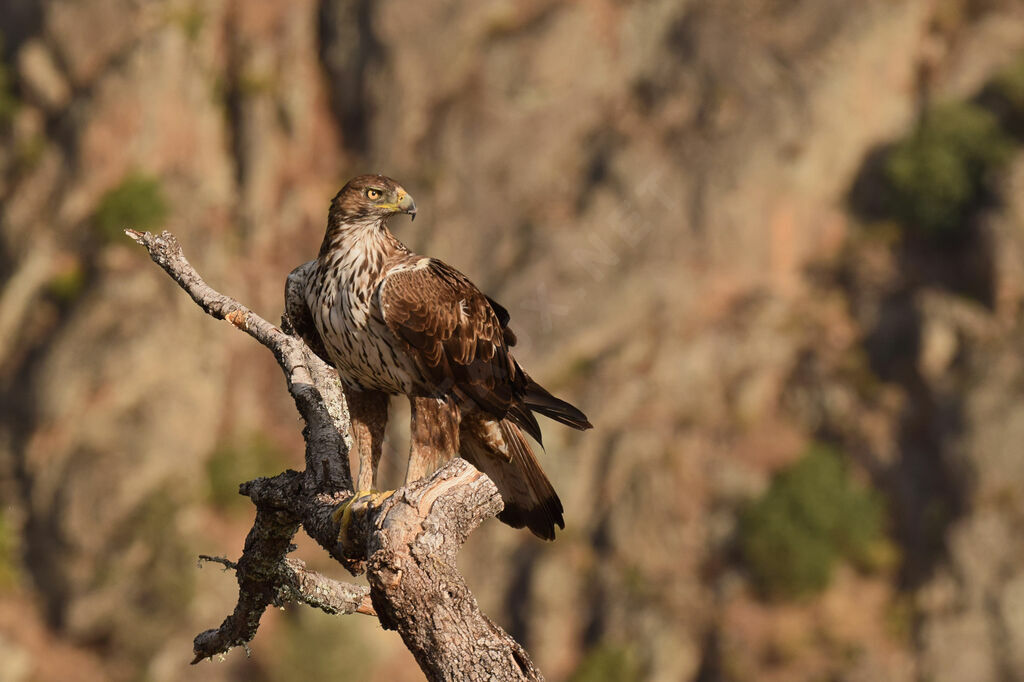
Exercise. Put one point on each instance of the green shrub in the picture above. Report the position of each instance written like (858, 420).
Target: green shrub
(256, 83)
(138, 202)
(312, 645)
(191, 21)
(150, 565)
(9, 555)
(937, 176)
(1010, 83)
(169, 569)
(28, 152)
(607, 663)
(812, 515)
(68, 283)
(1007, 91)
(237, 461)
(8, 100)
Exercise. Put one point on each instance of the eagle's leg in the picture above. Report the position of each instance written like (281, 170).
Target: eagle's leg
(369, 413)
(434, 436)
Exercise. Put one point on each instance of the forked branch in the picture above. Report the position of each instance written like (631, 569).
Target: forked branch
(408, 543)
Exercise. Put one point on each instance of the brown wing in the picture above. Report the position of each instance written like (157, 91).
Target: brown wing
(454, 333)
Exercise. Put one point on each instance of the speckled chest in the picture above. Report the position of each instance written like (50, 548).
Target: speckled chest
(341, 296)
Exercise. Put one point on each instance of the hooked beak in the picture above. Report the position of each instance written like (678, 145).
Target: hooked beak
(406, 204)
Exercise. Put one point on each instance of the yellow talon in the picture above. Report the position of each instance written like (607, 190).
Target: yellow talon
(343, 509)
(343, 514)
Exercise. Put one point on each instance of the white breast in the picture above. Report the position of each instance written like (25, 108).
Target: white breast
(359, 344)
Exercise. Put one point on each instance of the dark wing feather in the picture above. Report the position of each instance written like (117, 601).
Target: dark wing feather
(503, 318)
(456, 335)
(539, 400)
(500, 311)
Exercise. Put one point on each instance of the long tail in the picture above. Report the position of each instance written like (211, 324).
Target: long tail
(499, 449)
(539, 400)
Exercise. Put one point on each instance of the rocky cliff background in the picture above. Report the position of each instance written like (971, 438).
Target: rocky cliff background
(772, 248)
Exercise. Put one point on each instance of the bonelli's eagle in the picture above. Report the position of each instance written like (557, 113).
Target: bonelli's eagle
(395, 322)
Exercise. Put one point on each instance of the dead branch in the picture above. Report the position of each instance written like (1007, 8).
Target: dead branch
(223, 561)
(407, 543)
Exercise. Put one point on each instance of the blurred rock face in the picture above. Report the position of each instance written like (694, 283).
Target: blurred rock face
(656, 190)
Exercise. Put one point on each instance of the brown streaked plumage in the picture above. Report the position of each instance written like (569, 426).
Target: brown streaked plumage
(392, 321)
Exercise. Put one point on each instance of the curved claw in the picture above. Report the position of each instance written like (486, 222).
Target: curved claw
(359, 504)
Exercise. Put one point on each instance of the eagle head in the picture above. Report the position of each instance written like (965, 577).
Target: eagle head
(372, 197)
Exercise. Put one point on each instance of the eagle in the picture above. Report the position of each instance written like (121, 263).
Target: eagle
(395, 322)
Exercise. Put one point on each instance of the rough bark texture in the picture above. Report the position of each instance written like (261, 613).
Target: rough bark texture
(407, 543)
(412, 572)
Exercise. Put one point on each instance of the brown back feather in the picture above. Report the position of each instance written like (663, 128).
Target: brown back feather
(461, 340)
(454, 333)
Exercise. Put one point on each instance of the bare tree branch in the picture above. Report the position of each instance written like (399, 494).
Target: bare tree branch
(223, 561)
(417, 588)
(406, 542)
(321, 592)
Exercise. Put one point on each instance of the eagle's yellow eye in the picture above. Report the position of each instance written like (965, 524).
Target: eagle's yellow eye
(373, 194)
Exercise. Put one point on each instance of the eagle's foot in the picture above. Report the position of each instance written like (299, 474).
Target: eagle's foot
(357, 506)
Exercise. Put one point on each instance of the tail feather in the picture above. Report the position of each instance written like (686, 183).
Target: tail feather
(499, 449)
(539, 400)
(521, 415)
(542, 519)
